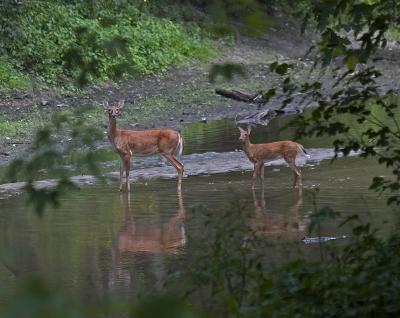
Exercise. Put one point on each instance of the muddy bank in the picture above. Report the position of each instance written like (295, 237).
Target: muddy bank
(209, 163)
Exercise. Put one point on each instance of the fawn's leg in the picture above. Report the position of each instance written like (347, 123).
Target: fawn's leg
(291, 161)
(296, 175)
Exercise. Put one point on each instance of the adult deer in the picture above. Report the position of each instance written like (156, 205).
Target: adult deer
(258, 153)
(127, 143)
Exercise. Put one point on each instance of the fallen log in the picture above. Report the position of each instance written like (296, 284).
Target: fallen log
(240, 96)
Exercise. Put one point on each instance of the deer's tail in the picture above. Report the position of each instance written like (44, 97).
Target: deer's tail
(179, 146)
(303, 150)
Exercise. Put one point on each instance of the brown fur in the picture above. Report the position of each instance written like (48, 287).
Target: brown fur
(258, 153)
(127, 143)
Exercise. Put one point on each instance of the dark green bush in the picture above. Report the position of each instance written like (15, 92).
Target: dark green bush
(360, 281)
(11, 78)
(47, 30)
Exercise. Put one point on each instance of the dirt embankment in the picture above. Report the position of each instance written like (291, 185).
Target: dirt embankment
(254, 53)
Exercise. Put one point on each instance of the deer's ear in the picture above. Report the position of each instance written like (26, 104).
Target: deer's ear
(121, 104)
(249, 129)
(105, 104)
(241, 130)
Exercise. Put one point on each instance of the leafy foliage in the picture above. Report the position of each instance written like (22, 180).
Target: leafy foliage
(34, 298)
(358, 282)
(97, 41)
(10, 78)
(355, 109)
(48, 154)
(226, 70)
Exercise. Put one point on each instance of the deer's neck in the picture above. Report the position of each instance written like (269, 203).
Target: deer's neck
(112, 128)
(247, 146)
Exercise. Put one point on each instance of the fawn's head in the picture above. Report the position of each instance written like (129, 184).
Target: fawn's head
(244, 134)
(113, 111)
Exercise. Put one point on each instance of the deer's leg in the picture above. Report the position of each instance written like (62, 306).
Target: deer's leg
(180, 173)
(257, 168)
(176, 163)
(127, 167)
(255, 171)
(291, 161)
(262, 171)
(296, 174)
(121, 173)
(299, 176)
(178, 166)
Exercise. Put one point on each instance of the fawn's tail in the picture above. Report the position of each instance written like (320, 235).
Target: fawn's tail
(303, 150)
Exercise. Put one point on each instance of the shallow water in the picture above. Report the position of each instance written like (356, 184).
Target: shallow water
(101, 242)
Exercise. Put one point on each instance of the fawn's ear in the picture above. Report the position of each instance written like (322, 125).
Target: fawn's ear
(105, 104)
(249, 129)
(121, 104)
(241, 130)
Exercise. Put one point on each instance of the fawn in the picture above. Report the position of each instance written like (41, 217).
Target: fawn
(127, 143)
(258, 153)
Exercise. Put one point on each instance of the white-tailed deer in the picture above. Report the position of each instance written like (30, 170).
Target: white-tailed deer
(258, 153)
(128, 143)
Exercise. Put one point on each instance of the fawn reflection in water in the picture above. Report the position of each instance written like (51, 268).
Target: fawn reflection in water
(286, 224)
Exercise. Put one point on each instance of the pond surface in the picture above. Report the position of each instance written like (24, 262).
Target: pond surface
(101, 242)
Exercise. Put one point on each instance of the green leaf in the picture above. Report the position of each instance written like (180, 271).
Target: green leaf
(351, 62)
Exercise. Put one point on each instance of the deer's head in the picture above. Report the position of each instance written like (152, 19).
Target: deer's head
(113, 111)
(244, 134)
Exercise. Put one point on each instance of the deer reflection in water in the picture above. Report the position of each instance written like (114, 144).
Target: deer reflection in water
(150, 238)
(146, 240)
(279, 225)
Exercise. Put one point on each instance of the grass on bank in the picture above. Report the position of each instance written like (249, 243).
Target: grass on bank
(11, 79)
